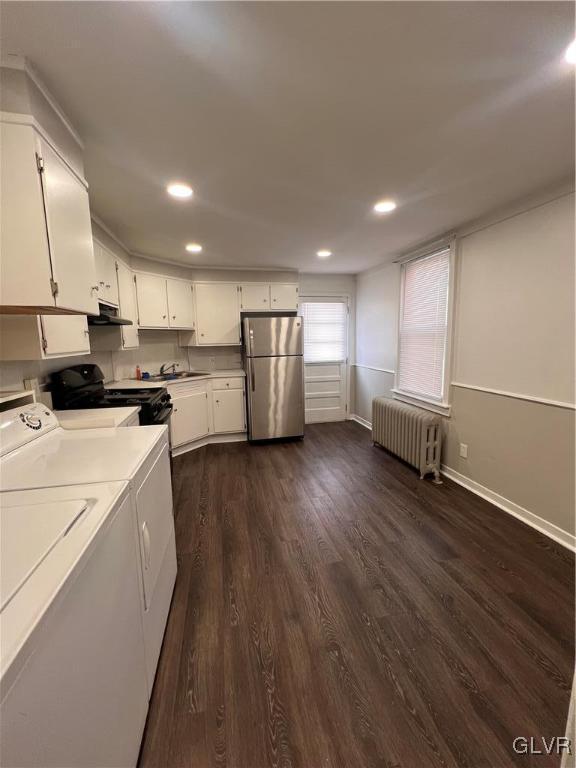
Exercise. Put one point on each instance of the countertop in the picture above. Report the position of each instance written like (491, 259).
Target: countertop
(145, 384)
(89, 418)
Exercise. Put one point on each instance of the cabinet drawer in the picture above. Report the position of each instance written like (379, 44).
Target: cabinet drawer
(236, 383)
(186, 387)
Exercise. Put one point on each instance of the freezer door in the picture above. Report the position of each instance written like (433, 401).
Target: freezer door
(270, 336)
(275, 391)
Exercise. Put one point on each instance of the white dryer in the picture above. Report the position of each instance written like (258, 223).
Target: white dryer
(73, 688)
(38, 453)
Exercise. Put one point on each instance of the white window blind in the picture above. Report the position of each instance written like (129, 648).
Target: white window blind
(424, 326)
(325, 331)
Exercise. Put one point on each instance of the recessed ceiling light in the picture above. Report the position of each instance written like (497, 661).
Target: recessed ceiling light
(179, 190)
(570, 54)
(385, 206)
(194, 248)
(323, 254)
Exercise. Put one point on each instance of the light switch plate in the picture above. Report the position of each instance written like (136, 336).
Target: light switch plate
(463, 451)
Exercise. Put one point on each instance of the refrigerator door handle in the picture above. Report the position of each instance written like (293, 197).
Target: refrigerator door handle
(253, 378)
(251, 337)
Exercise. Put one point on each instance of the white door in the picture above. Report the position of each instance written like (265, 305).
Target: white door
(228, 410)
(283, 296)
(152, 301)
(106, 274)
(325, 358)
(217, 313)
(180, 304)
(127, 306)
(255, 298)
(189, 420)
(69, 234)
(65, 334)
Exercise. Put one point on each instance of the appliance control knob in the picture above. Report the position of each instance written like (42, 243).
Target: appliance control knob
(31, 421)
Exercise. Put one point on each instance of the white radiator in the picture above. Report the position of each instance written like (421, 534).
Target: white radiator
(413, 434)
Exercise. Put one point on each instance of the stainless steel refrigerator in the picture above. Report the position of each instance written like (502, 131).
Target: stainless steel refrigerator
(273, 348)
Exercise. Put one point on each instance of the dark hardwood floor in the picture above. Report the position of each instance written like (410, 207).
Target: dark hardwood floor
(332, 610)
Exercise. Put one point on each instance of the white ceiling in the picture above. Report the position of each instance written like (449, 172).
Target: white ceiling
(291, 119)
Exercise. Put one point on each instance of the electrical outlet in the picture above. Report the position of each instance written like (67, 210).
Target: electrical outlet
(463, 451)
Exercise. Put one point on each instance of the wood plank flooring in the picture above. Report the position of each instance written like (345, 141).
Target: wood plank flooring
(333, 611)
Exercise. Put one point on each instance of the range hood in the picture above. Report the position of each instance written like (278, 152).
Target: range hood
(108, 316)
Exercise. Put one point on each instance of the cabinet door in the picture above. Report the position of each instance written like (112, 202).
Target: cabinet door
(217, 313)
(189, 420)
(152, 301)
(25, 264)
(283, 296)
(228, 410)
(69, 234)
(65, 334)
(127, 306)
(106, 274)
(255, 297)
(180, 304)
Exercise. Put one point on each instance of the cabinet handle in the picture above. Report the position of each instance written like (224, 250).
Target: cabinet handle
(217, 401)
(163, 317)
(94, 288)
(101, 282)
(86, 332)
(173, 317)
(227, 383)
(273, 299)
(201, 334)
(175, 410)
(107, 285)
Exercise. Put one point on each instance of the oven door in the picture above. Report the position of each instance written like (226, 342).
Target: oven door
(164, 416)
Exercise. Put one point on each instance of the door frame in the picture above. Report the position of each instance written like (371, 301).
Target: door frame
(348, 299)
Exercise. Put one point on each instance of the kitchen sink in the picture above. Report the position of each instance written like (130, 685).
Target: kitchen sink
(175, 376)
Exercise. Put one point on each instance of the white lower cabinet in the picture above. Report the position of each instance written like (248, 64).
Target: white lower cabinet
(209, 407)
(228, 410)
(189, 420)
(33, 337)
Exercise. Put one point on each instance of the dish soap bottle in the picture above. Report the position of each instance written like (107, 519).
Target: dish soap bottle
(138, 373)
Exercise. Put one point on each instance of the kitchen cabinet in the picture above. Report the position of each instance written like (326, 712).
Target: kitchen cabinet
(33, 337)
(180, 304)
(105, 262)
(228, 410)
(152, 301)
(127, 306)
(217, 314)
(189, 420)
(283, 296)
(255, 297)
(46, 235)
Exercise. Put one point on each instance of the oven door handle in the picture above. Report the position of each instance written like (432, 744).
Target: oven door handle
(164, 415)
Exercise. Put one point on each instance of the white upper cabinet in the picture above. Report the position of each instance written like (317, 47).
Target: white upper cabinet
(180, 304)
(217, 314)
(65, 335)
(106, 274)
(46, 237)
(34, 337)
(69, 234)
(283, 296)
(255, 298)
(127, 306)
(152, 301)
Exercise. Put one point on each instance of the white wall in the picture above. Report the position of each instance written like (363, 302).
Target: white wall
(513, 333)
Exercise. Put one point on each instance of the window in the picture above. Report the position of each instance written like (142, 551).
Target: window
(325, 324)
(423, 331)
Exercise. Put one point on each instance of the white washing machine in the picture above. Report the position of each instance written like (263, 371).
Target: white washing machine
(73, 688)
(38, 453)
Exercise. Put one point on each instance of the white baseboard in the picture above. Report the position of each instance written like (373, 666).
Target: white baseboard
(236, 437)
(360, 420)
(534, 521)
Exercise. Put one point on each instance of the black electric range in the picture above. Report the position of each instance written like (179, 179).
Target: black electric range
(82, 386)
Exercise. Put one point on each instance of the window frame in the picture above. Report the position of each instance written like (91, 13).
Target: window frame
(443, 406)
(330, 299)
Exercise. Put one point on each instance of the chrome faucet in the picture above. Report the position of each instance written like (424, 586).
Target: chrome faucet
(165, 366)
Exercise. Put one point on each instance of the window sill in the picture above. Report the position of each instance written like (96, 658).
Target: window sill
(430, 405)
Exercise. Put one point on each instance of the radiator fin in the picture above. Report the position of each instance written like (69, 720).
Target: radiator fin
(411, 433)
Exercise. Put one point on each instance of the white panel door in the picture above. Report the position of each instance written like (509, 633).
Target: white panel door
(69, 234)
(189, 420)
(180, 304)
(228, 410)
(283, 296)
(152, 301)
(255, 298)
(65, 334)
(127, 306)
(325, 358)
(217, 313)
